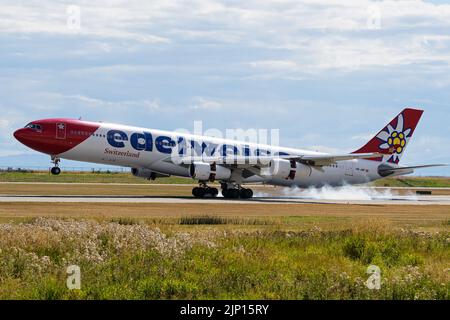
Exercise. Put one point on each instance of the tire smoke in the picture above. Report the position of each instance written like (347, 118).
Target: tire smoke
(346, 192)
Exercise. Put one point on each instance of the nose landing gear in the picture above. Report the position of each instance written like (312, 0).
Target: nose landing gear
(55, 170)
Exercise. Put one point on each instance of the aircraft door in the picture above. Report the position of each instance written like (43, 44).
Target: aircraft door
(349, 168)
(61, 131)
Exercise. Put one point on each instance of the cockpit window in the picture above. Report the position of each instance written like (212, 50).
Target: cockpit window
(36, 127)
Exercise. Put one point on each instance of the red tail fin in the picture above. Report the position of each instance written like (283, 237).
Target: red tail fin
(394, 138)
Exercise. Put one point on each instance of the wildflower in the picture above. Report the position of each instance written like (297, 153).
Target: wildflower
(91, 241)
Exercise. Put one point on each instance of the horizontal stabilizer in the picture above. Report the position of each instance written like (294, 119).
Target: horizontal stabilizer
(412, 167)
(385, 170)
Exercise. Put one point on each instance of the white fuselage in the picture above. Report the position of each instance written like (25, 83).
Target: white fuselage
(153, 150)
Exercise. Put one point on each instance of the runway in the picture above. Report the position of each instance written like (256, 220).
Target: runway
(181, 194)
(381, 200)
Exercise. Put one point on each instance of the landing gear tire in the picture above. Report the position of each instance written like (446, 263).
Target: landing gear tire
(225, 193)
(242, 193)
(245, 193)
(201, 192)
(230, 193)
(55, 171)
(213, 192)
(198, 192)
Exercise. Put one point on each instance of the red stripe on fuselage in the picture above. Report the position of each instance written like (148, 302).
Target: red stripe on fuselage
(54, 140)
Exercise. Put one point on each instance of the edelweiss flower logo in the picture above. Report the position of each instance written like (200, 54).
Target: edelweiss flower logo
(395, 140)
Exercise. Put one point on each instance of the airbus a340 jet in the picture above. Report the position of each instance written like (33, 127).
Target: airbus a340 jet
(154, 153)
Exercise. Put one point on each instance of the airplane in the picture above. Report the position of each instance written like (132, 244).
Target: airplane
(154, 153)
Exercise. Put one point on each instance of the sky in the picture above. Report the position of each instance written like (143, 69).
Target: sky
(328, 74)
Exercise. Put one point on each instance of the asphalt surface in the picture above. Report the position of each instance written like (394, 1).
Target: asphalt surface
(374, 200)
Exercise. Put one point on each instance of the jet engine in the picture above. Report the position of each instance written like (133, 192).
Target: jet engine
(281, 168)
(205, 171)
(147, 174)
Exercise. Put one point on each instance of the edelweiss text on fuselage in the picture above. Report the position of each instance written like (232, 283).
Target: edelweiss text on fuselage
(145, 141)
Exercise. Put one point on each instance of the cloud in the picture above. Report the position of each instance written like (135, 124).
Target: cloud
(315, 36)
(92, 20)
(321, 71)
(99, 103)
(205, 104)
(8, 153)
(324, 149)
(283, 65)
(4, 123)
(363, 137)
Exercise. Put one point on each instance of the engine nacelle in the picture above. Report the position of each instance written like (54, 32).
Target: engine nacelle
(302, 171)
(209, 172)
(147, 174)
(281, 168)
(200, 170)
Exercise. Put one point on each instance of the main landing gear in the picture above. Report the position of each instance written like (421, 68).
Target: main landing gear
(235, 191)
(229, 191)
(55, 170)
(204, 191)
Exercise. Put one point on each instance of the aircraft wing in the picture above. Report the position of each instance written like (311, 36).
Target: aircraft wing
(324, 160)
(262, 161)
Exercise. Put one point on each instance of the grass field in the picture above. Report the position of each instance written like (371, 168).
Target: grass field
(206, 257)
(211, 251)
(423, 182)
(206, 251)
(85, 177)
(88, 177)
(425, 218)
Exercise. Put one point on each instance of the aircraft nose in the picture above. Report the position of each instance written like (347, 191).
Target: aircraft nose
(20, 135)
